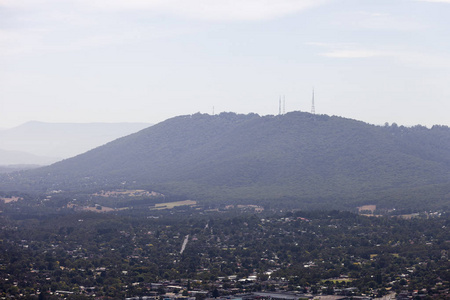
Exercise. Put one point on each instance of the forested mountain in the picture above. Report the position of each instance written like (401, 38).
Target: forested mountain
(298, 158)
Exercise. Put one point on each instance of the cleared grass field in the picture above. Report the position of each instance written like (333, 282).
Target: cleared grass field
(170, 205)
(11, 199)
(338, 280)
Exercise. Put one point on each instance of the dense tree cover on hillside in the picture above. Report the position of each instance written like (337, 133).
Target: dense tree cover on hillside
(312, 160)
(121, 254)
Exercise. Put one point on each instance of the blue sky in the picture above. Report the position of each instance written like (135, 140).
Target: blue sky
(145, 61)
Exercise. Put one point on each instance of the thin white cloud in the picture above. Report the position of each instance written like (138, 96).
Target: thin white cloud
(24, 42)
(220, 10)
(49, 26)
(358, 53)
(217, 10)
(347, 50)
(36, 26)
(405, 57)
(360, 20)
(22, 3)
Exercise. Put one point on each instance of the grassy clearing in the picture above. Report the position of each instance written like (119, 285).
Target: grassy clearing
(170, 205)
(338, 280)
(11, 199)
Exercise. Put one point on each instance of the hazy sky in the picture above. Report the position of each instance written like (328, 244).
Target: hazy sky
(148, 60)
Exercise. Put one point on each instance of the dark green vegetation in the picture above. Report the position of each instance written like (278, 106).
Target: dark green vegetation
(121, 254)
(299, 159)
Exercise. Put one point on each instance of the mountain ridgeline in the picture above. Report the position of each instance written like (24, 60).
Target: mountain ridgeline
(300, 159)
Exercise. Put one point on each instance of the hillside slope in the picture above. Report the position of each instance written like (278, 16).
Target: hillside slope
(296, 157)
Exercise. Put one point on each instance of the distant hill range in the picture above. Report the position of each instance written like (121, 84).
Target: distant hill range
(8, 158)
(42, 143)
(299, 159)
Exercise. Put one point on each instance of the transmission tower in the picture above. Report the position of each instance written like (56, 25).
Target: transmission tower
(279, 106)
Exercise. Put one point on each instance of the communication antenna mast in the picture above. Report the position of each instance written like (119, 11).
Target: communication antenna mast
(279, 106)
(313, 109)
(284, 105)
(213, 111)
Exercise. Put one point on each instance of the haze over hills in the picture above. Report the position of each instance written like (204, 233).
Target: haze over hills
(44, 143)
(23, 158)
(299, 158)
